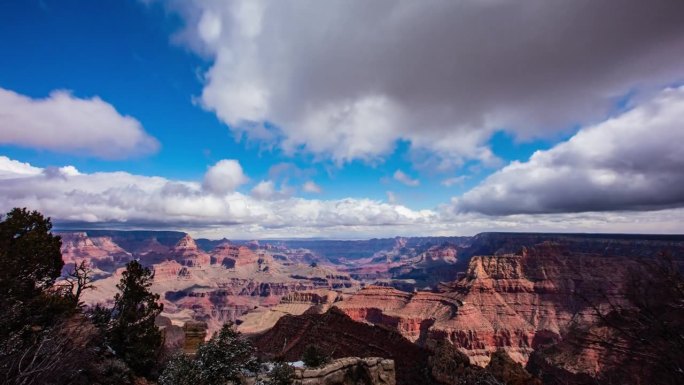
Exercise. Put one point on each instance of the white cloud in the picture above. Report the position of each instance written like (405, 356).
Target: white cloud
(311, 187)
(631, 162)
(14, 169)
(400, 176)
(391, 197)
(265, 190)
(448, 182)
(64, 123)
(224, 177)
(128, 201)
(134, 201)
(345, 80)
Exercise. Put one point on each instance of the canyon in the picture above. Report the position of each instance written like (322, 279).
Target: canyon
(494, 293)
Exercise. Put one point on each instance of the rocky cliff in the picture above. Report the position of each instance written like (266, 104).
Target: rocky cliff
(224, 284)
(338, 336)
(514, 302)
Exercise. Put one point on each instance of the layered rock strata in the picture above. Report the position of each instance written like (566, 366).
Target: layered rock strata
(515, 302)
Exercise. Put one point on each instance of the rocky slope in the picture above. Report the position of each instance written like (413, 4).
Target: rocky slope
(226, 283)
(515, 302)
(339, 336)
(101, 252)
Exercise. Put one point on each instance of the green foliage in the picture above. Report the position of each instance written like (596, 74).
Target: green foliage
(29, 255)
(313, 357)
(33, 314)
(225, 356)
(181, 370)
(224, 359)
(132, 333)
(281, 374)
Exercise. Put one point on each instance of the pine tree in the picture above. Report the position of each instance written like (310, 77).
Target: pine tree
(29, 254)
(133, 334)
(181, 370)
(225, 357)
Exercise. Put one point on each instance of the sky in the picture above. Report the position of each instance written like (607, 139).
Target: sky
(344, 119)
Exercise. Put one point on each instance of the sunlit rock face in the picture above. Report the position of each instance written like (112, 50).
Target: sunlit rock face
(102, 253)
(515, 302)
(220, 285)
(514, 292)
(188, 254)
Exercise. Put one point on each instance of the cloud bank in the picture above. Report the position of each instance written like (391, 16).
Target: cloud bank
(67, 124)
(128, 201)
(345, 80)
(120, 198)
(634, 161)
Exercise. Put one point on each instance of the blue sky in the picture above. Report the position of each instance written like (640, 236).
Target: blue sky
(197, 75)
(122, 51)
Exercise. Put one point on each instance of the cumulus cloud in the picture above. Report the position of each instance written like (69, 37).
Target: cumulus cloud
(633, 161)
(224, 177)
(448, 182)
(134, 200)
(67, 124)
(122, 200)
(264, 190)
(400, 176)
(311, 187)
(346, 80)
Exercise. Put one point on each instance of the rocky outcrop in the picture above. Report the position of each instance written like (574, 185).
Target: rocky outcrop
(195, 333)
(187, 253)
(514, 302)
(412, 314)
(349, 371)
(337, 335)
(225, 254)
(102, 253)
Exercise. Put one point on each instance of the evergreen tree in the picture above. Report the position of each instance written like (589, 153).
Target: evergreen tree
(225, 357)
(133, 334)
(313, 357)
(38, 324)
(281, 374)
(30, 255)
(30, 261)
(181, 370)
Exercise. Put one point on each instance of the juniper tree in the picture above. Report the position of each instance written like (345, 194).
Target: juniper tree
(133, 334)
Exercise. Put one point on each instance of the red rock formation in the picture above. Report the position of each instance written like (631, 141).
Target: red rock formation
(337, 335)
(187, 253)
(100, 252)
(225, 254)
(515, 302)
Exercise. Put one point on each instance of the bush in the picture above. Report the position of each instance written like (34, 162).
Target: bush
(281, 374)
(225, 358)
(181, 370)
(313, 357)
